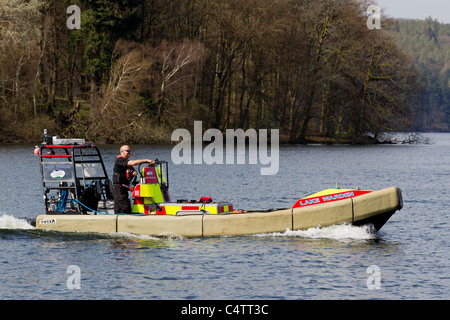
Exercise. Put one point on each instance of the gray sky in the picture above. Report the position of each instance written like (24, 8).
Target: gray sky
(416, 9)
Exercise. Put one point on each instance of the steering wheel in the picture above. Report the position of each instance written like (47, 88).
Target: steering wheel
(139, 168)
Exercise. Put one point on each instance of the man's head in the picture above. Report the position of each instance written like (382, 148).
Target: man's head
(125, 151)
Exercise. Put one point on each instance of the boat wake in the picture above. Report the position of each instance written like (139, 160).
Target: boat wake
(341, 232)
(131, 236)
(13, 223)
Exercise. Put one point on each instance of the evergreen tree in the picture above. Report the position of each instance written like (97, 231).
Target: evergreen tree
(104, 22)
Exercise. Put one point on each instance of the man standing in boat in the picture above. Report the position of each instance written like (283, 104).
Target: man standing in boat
(123, 173)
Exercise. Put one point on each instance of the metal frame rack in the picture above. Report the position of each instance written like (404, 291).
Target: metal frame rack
(67, 170)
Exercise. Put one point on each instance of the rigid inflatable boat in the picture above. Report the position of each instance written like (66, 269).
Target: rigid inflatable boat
(78, 198)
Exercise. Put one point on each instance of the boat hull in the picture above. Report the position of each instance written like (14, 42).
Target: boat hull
(375, 207)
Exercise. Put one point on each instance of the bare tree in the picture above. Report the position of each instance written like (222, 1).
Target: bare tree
(19, 31)
(117, 109)
(175, 58)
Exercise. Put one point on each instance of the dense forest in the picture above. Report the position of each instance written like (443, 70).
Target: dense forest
(428, 42)
(136, 70)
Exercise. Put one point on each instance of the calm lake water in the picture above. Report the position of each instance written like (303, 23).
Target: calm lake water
(411, 252)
